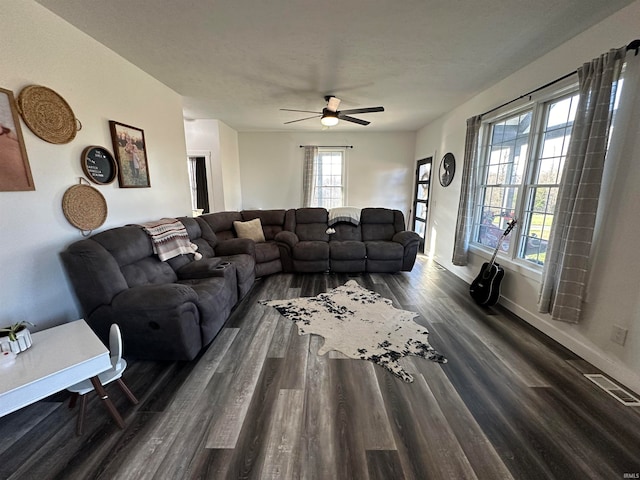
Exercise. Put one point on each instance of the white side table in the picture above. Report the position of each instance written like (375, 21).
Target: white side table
(60, 357)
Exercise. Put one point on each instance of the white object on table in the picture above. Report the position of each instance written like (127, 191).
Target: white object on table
(60, 357)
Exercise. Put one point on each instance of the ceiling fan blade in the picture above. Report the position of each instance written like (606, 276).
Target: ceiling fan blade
(303, 111)
(333, 103)
(362, 110)
(301, 119)
(352, 119)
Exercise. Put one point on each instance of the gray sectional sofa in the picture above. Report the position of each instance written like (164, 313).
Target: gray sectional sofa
(170, 310)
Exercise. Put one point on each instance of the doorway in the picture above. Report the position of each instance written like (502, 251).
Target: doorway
(198, 183)
(421, 199)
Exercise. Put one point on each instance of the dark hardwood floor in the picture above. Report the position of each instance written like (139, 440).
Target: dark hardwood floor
(260, 403)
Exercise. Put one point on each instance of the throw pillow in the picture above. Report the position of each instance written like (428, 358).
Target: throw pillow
(251, 229)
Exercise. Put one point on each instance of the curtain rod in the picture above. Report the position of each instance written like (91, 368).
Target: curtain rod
(634, 45)
(529, 93)
(328, 146)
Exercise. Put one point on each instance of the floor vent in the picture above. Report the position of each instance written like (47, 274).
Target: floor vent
(614, 390)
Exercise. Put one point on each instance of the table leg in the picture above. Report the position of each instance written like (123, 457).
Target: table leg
(80, 422)
(95, 381)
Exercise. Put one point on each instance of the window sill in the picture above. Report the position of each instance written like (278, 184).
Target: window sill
(519, 266)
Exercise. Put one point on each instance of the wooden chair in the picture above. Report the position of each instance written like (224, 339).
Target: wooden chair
(118, 365)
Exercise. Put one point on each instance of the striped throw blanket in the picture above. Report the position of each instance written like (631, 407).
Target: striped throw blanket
(169, 238)
(344, 214)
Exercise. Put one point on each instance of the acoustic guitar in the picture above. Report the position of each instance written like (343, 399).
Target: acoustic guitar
(485, 288)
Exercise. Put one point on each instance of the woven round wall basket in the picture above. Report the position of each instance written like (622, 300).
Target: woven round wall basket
(84, 207)
(47, 114)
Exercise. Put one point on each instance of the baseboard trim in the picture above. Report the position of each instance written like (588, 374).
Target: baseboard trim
(579, 345)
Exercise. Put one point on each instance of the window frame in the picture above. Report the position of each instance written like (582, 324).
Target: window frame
(538, 104)
(343, 186)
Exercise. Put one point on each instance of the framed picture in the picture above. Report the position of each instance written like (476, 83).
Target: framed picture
(131, 153)
(15, 172)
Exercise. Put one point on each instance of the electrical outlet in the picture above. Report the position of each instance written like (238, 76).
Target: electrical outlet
(618, 335)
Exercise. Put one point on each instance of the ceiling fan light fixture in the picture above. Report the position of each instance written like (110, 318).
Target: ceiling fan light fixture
(329, 120)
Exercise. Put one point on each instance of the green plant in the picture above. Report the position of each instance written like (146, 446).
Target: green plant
(11, 330)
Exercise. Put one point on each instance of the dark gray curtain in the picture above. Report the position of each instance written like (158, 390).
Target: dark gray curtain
(202, 192)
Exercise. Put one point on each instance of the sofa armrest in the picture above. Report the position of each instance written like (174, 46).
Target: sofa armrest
(204, 268)
(286, 241)
(286, 238)
(236, 246)
(406, 238)
(154, 297)
(157, 321)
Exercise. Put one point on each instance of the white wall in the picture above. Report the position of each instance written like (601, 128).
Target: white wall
(202, 139)
(380, 168)
(609, 303)
(220, 142)
(229, 155)
(40, 48)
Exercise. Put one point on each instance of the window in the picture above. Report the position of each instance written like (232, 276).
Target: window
(328, 181)
(520, 173)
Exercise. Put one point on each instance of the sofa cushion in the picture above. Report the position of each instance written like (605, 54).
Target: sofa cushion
(127, 244)
(131, 247)
(312, 215)
(148, 271)
(384, 250)
(251, 229)
(312, 232)
(272, 221)
(380, 223)
(221, 223)
(311, 250)
(346, 231)
(268, 268)
(201, 234)
(265, 252)
(311, 224)
(348, 250)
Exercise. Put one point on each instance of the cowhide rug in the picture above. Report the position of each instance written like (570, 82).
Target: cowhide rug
(360, 324)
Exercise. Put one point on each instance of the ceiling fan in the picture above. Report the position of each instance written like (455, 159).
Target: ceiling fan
(330, 115)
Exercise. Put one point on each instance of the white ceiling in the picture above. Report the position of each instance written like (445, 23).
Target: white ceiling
(240, 61)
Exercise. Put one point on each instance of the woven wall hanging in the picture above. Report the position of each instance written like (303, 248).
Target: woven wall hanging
(47, 114)
(84, 207)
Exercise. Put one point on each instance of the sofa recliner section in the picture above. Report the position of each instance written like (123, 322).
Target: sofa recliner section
(266, 254)
(390, 248)
(304, 246)
(118, 279)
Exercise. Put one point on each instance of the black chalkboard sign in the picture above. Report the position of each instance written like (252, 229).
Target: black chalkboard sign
(98, 164)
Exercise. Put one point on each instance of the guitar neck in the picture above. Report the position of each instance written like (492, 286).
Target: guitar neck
(495, 252)
(502, 237)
